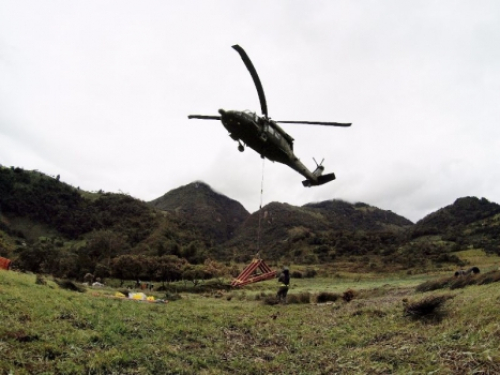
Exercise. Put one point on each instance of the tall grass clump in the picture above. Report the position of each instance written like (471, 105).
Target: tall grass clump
(303, 297)
(459, 282)
(325, 297)
(349, 295)
(429, 307)
(489, 277)
(431, 285)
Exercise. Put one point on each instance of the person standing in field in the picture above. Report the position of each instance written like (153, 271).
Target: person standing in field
(284, 280)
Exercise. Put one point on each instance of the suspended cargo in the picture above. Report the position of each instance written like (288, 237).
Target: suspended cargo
(256, 271)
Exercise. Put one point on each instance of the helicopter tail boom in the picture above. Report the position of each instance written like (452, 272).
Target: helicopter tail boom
(319, 181)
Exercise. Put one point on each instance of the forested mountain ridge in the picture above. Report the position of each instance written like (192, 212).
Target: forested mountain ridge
(284, 226)
(41, 199)
(43, 214)
(468, 222)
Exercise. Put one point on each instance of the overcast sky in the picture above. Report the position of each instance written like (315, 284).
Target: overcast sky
(99, 93)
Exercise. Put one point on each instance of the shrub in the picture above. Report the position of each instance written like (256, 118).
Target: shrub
(434, 285)
(70, 285)
(488, 278)
(429, 307)
(310, 273)
(270, 300)
(348, 295)
(260, 296)
(297, 275)
(460, 281)
(463, 281)
(327, 297)
(172, 296)
(301, 298)
(40, 280)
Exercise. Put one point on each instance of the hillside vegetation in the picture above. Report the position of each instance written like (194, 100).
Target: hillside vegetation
(48, 226)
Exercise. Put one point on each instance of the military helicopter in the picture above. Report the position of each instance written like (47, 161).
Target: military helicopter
(265, 136)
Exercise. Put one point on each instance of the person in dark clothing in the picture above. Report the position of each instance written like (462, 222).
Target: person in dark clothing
(284, 280)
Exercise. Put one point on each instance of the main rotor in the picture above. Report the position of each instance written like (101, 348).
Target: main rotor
(262, 97)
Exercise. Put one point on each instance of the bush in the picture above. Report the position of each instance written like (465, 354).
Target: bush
(348, 295)
(327, 297)
(301, 298)
(488, 278)
(310, 273)
(172, 296)
(297, 275)
(459, 281)
(270, 300)
(260, 296)
(462, 282)
(70, 285)
(429, 307)
(434, 285)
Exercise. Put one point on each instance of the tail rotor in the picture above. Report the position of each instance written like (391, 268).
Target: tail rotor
(319, 168)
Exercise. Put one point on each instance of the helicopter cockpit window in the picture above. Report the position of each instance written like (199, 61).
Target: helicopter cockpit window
(251, 114)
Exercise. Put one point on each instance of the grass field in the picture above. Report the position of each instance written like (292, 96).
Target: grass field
(49, 330)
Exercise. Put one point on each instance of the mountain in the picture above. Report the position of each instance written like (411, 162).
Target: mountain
(359, 216)
(462, 212)
(39, 213)
(212, 215)
(34, 206)
(279, 227)
(468, 222)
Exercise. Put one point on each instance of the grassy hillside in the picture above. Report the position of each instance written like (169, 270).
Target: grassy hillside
(49, 330)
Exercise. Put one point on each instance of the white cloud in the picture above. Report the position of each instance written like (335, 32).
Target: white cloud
(99, 92)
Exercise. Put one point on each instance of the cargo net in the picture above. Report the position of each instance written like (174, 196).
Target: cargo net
(256, 271)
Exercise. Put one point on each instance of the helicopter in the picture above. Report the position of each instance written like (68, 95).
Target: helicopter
(265, 136)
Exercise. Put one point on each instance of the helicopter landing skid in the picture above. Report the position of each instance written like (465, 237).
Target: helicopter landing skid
(321, 180)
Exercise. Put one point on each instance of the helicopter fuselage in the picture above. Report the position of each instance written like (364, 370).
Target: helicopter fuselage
(266, 137)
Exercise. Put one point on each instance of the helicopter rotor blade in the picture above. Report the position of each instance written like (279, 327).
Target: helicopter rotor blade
(320, 164)
(316, 123)
(203, 117)
(255, 77)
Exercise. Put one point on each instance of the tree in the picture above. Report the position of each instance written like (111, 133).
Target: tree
(170, 268)
(41, 257)
(101, 246)
(128, 267)
(195, 252)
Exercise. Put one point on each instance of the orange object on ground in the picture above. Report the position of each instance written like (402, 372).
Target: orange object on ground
(251, 273)
(4, 263)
